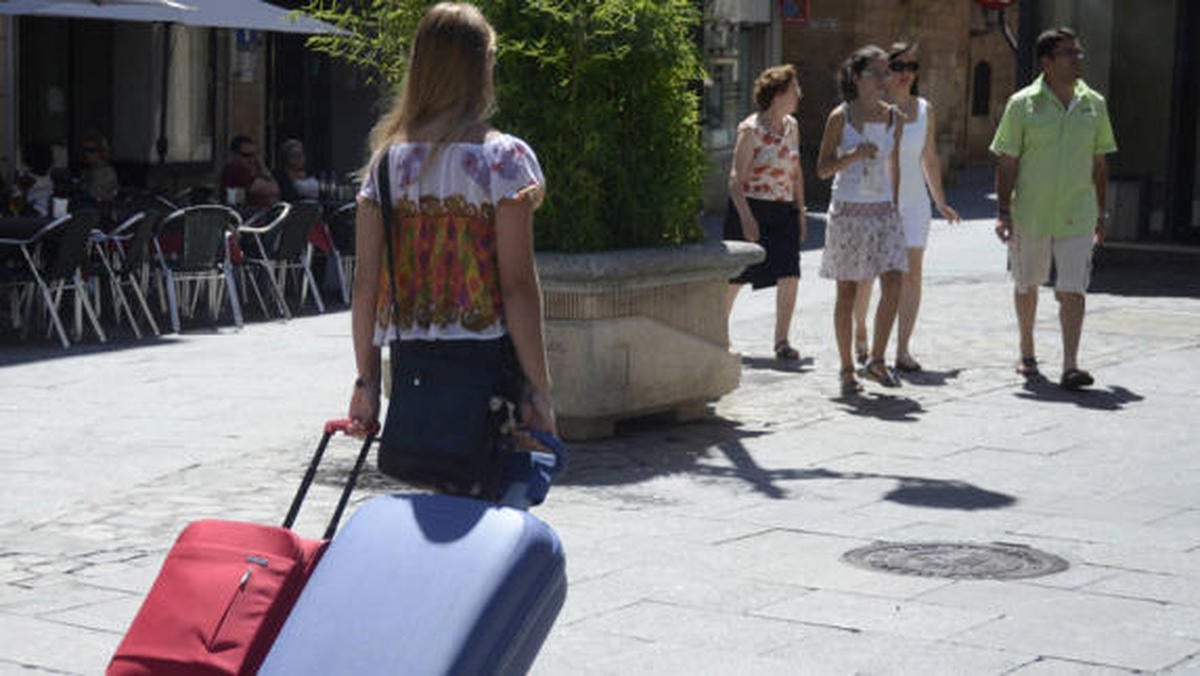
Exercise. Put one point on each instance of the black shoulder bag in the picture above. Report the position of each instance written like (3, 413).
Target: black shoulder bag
(448, 402)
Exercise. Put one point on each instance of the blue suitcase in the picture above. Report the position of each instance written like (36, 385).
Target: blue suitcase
(427, 584)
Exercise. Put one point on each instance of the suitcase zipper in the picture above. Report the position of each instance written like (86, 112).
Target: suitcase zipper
(237, 594)
(233, 600)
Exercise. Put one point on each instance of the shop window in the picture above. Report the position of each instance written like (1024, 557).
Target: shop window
(981, 90)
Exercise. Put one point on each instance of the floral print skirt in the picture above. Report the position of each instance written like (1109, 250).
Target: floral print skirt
(863, 240)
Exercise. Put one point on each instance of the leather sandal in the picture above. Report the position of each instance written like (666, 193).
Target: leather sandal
(1075, 379)
(879, 372)
(1028, 367)
(785, 352)
(850, 384)
(907, 364)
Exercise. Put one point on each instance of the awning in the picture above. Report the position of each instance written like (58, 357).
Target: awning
(236, 14)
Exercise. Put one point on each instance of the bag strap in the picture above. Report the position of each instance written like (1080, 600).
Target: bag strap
(384, 182)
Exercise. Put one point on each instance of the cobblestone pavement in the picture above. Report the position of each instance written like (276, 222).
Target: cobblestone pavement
(711, 547)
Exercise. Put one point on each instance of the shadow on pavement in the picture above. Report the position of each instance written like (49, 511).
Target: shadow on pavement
(650, 450)
(927, 378)
(1123, 275)
(942, 494)
(887, 407)
(1113, 399)
(14, 353)
(801, 365)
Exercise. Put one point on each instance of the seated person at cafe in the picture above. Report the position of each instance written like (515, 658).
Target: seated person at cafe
(247, 171)
(98, 179)
(36, 183)
(294, 182)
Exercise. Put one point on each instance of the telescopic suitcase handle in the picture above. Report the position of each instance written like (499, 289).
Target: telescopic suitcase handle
(332, 427)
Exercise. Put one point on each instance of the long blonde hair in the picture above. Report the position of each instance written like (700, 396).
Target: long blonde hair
(449, 78)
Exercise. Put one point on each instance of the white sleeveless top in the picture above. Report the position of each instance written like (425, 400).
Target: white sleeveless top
(865, 181)
(914, 196)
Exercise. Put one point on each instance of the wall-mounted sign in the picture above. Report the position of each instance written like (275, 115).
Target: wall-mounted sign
(794, 11)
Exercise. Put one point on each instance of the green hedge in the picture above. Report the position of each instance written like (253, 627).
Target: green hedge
(604, 90)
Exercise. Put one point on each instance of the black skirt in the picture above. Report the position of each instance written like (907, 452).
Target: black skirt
(779, 234)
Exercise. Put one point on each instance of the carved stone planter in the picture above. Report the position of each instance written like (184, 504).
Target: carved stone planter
(639, 332)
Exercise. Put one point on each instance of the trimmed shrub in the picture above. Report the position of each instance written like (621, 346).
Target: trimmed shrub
(605, 92)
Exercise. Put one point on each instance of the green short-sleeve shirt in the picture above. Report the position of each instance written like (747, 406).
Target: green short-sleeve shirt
(1055, 148)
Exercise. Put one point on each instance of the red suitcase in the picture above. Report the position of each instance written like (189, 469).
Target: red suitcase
(225, 589)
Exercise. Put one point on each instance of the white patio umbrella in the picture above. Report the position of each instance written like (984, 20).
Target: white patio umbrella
(38, 6)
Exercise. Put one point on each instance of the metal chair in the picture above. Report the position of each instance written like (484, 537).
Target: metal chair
(341, 230)
(192, 249)
(55, 255)
(281, 246)
(124, 259)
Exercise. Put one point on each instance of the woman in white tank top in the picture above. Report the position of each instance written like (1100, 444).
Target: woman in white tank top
(864, 239)
(920, 170)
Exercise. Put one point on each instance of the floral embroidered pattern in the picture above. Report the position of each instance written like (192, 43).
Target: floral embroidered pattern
(445, 266)
(443, 236)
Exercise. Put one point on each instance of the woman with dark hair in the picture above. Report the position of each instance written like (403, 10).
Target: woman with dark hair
(920, 177)
(766, 189)
(460, 281)
(864, 239)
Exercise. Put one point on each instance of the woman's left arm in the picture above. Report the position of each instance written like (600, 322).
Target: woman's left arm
(522, 295)
(931, 166)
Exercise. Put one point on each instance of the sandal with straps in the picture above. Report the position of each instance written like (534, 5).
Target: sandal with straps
(879, 372)
(850, 384)
(785, 352)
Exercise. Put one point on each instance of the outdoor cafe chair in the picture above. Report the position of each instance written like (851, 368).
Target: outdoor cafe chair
(54, 257)
(192, 248)
(124, 260)
(341, 230)
(281, 246)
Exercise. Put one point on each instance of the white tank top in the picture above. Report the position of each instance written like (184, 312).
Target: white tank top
(865, 181)
(914, 197)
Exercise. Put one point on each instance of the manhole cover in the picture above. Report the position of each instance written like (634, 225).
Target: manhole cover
(957, 560)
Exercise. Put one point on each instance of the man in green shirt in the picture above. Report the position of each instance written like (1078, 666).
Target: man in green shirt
(1051, 146)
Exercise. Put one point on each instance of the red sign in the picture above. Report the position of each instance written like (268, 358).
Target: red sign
(996, 4)
(794, 11)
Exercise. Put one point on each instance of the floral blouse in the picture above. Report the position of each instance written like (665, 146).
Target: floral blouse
(443, 233)
(775, 167)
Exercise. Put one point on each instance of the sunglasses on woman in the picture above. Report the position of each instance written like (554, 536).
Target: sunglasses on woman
(901, 66)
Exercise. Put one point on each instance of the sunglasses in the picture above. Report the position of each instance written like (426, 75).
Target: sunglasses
(248, 156)
(901, 66)
(90, 149)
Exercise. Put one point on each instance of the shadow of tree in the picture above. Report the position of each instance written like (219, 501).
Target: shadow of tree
(1113, 399)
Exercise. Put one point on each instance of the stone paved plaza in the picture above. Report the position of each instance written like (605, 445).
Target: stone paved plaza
(712, 547)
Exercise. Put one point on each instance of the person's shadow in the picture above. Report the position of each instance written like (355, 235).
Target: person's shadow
(927, 378)
(801, 365)
(887, 407)
(1114, 398)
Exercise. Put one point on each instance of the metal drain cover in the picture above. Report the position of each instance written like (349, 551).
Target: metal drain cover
(957, 560)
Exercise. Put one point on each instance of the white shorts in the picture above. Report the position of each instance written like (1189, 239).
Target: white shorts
(916, 226)
(1029, 258)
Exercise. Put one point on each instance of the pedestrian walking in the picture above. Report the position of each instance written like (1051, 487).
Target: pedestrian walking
(766, 192)
(920, 177)
(864, 239)
(1051, 182)
(446, 272)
